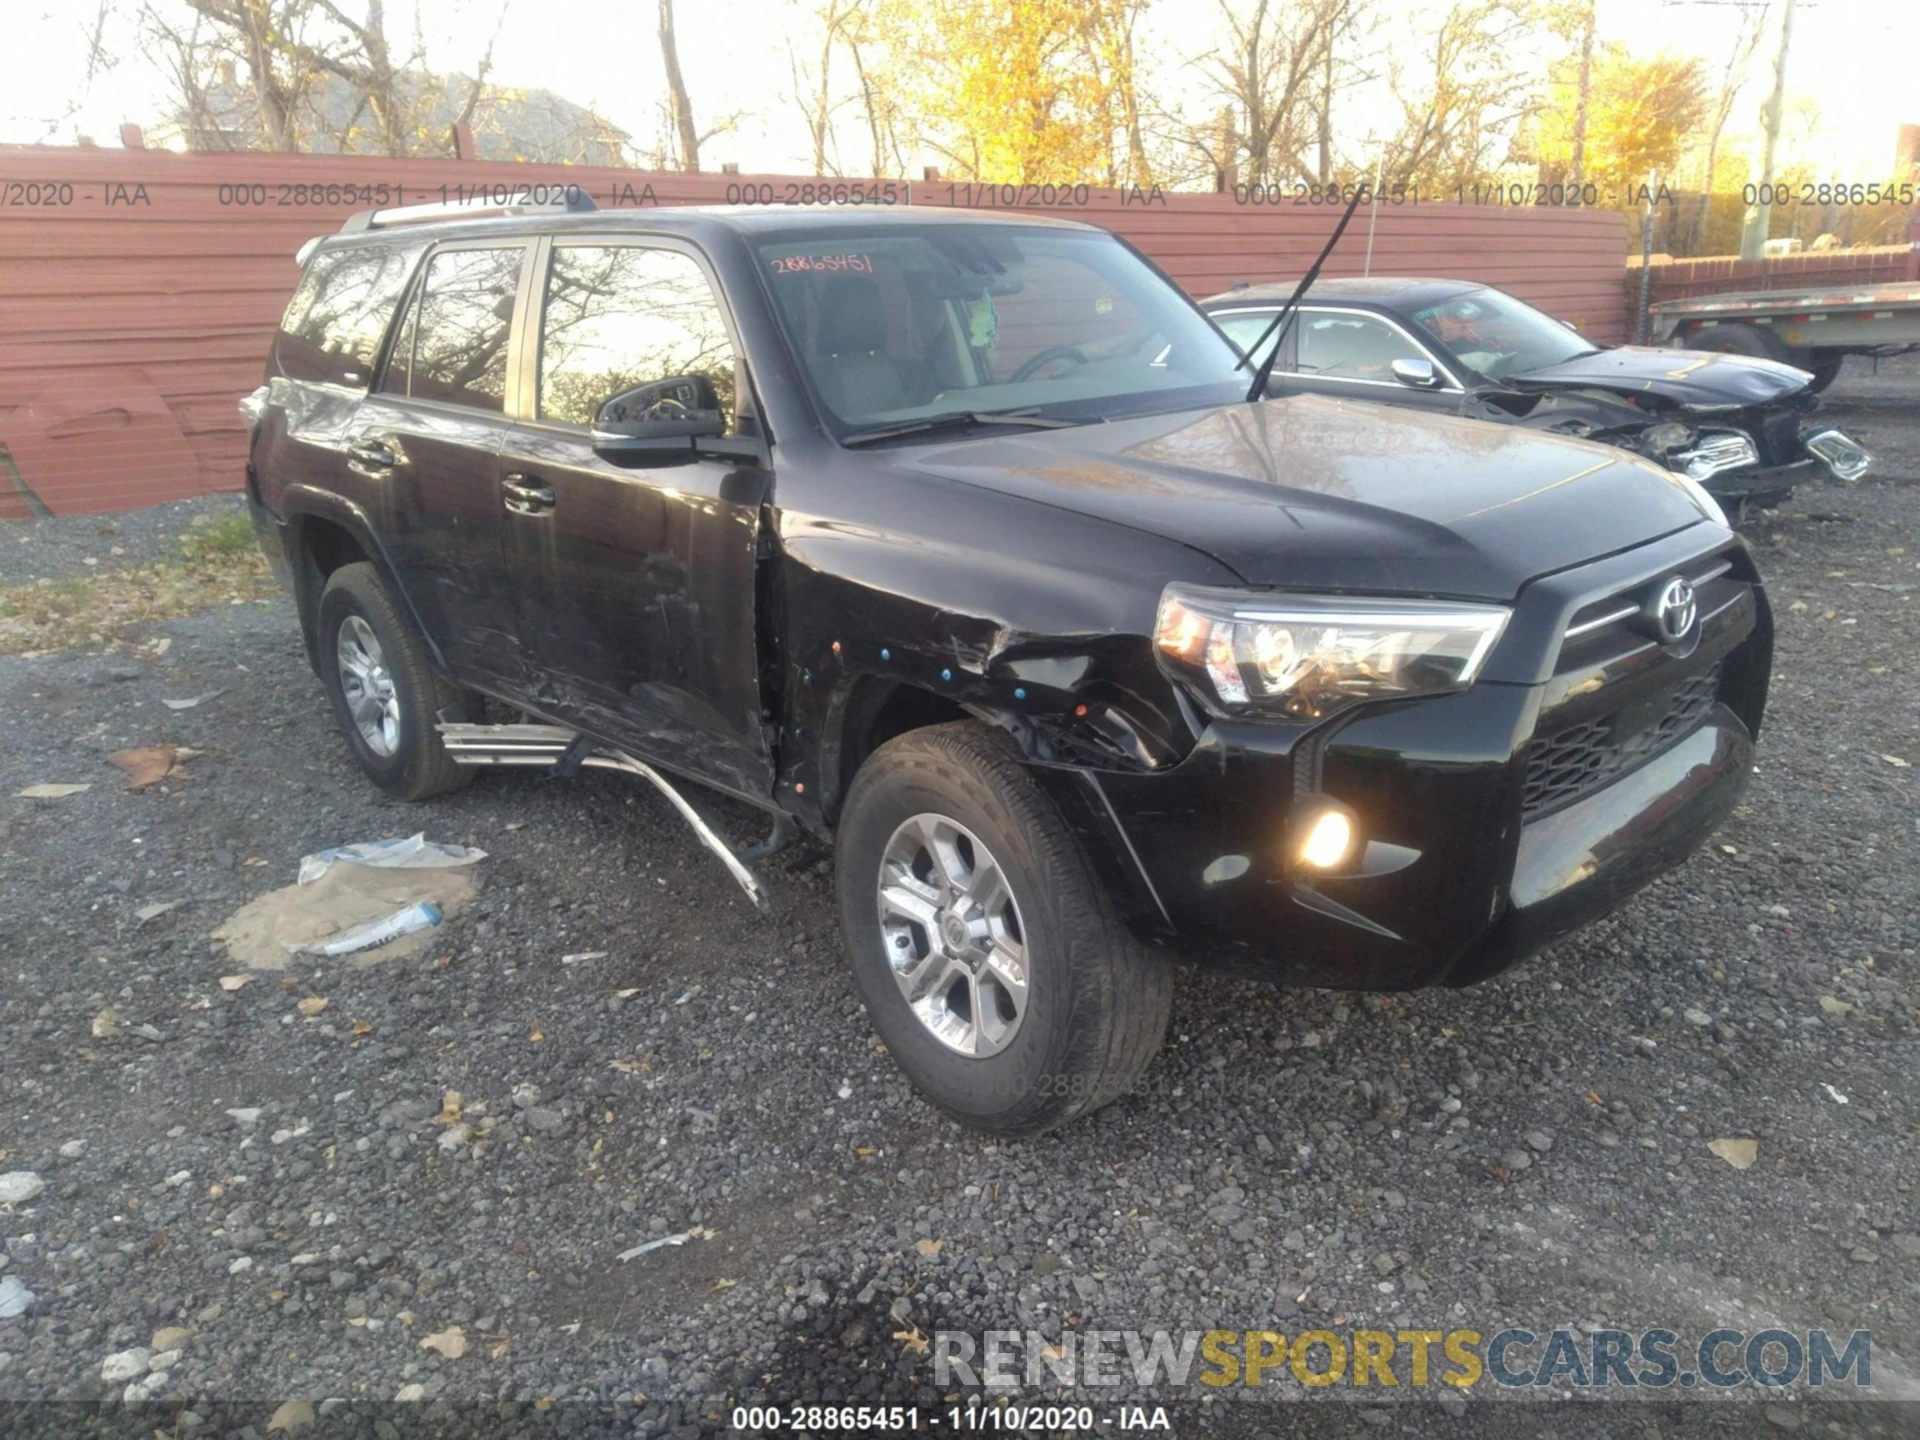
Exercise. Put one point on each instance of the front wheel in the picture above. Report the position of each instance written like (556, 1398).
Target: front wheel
(990, 959)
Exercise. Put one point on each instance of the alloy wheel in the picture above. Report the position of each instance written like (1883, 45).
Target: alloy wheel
(951, 929)
(367, 685)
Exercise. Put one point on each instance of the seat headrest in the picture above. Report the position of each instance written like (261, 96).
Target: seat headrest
(853, 316)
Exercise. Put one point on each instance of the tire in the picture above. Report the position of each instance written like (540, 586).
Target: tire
(1096, 1001)
(1825, 368)
(1736, 339)
(405, 756)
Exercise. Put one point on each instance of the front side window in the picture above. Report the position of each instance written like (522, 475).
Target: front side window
(898, 322)
(628, 323)
(460, 336)
(1339, 345)
(1498, 335)
(339, 313)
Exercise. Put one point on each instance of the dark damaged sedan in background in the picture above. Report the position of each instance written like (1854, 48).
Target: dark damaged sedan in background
(1744, 427)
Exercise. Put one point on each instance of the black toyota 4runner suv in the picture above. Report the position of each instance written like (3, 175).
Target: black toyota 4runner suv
(956, 541)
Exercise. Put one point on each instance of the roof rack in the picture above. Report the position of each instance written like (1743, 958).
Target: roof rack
(528, 200)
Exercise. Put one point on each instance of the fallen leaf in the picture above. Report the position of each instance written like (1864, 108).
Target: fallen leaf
(725, 1284)
(535, 1035)
(545, 1402)
(1835, 1007)
(51, 791)
(930, 1248)
(149, 764)
(912, 1339)
(626, 994)
(1737, 1153)
(234, 982)
(312, 1005)
(449, 1108)
(106, 1023)
(499, 1345)
(293, 1416)
(363, 1027)
(1897, 762)
(451, 1342)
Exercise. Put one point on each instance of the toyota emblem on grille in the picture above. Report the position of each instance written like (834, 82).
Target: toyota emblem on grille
(1674, 610)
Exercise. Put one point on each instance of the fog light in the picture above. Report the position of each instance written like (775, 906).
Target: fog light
(1328, 837)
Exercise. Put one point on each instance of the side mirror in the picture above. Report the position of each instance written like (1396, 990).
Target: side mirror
(1420, 374)
(660, 423)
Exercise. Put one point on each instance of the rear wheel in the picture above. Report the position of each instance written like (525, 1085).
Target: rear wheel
(385, 692)
(1737, 340)
(990, 960)
(1826, 369)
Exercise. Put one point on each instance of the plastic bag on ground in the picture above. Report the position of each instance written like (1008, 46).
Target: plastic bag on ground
(416, 852)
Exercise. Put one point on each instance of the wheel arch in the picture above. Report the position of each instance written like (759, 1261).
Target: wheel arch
(324, 532)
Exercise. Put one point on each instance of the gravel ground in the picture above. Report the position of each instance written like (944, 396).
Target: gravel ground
(67, 545)
(1529, 1152)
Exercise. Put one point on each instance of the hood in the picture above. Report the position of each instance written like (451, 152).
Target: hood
(1688, 377)
(1329, 494)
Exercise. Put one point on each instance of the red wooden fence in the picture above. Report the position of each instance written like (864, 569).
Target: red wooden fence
(138, 288)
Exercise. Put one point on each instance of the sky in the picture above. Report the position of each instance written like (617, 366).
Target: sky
(1850, 74)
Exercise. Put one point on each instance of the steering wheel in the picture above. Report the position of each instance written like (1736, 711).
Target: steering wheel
(1047, 357)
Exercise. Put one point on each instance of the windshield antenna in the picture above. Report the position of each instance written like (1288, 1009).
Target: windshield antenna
(1280, 321)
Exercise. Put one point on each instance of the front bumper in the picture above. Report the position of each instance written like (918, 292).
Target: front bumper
(1461, 879)
(1829, 453)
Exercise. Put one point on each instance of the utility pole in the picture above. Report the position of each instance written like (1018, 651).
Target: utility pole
(1753, 234)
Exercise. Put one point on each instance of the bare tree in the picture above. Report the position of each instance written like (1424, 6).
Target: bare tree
(813, 91)
(265, 36)
(1275, 55)
(1477, 93)
(1745, 40)
(686, 134)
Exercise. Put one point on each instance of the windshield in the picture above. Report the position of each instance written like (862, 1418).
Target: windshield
(1499, 335)
(896, 323)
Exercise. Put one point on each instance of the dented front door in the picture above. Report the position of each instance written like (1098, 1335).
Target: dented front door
(634, 587)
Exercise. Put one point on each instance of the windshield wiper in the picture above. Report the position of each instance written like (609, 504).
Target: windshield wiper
(1277, 327)
(960, 420)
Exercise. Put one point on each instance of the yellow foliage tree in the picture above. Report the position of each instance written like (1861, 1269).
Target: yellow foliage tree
(1020, 91)
(1641, 112)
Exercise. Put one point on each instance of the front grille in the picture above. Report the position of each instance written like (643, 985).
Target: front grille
(1579, 759)
(1780, 438)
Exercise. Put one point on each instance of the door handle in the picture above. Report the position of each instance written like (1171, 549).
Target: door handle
(526, 497)
(375, 457)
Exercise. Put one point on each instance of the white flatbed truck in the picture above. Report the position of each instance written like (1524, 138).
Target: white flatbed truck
(1814, 328)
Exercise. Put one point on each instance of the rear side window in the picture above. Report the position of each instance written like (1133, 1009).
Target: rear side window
(340, 312)
(459, 338)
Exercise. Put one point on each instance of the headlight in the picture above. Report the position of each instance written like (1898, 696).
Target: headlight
(1717, 450)
(1306, 656)
(1657, 440)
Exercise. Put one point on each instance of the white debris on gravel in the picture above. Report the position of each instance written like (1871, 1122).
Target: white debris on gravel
(17, 1187)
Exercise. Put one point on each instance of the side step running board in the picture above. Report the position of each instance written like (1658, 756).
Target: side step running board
(554, 745)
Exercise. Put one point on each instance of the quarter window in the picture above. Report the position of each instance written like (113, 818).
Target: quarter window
(460, 339)
(1345, 346)
(339, 313)
(627, 318)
